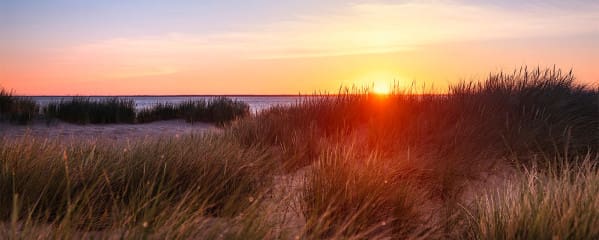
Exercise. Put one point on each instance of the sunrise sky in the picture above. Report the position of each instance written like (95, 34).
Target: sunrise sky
(116, 47)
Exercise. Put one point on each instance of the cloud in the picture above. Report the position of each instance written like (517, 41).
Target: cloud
(355, 29)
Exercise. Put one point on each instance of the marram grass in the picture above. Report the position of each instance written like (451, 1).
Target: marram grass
(20, 110)
(557, 203)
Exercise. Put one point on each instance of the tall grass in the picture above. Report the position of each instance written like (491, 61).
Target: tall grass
(219, 110)
(350, 196)
(454, 140)
(81, 110)
(527, 111)
(560, 202)
(154, 187)
(16, 109)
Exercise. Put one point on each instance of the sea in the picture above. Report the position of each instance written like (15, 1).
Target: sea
(256, 103)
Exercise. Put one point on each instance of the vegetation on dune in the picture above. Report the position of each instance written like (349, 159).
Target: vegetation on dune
(527, 111)
(16, 109)
(81, 110)
(219, 110)
(153, 186)
(348, 195)
(440, 143)
(371, 166)
(560, 202)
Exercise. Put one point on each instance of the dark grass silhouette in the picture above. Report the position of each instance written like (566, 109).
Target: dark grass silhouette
(82, 110)
(219, 110)
(15, 109)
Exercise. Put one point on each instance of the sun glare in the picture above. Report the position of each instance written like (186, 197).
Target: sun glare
(382, 89)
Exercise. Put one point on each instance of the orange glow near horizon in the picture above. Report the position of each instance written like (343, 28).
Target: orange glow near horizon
(381, 89)
(434, 67)
(377, 45)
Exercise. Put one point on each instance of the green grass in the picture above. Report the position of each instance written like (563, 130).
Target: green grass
(219, 110)
(371, 167)
(81, 110)
(15, 109)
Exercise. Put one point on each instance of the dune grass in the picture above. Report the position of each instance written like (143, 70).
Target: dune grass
(398, 166)
(441, 144)
(347, 195)
(82, 110)
(153, 187)
(559, 202)
(219, 110)
(15, 109)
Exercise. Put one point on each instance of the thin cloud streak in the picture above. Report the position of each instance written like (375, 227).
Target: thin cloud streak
(360, 29)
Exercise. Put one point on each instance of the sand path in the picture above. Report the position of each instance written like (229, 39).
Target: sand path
(106, 131)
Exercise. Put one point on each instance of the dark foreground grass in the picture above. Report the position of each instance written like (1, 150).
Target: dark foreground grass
(154, 187)
(219, 110)
(512, 157)
(81, 110)
(15, 109)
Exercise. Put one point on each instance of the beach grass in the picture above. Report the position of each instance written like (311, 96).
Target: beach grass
(83, 110)
(559, 202)
(512, 157)
(218, 110)
(128, 188)
(348, 195)
(20, 110)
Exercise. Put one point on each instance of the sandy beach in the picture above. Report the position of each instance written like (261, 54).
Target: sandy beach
(104, 131)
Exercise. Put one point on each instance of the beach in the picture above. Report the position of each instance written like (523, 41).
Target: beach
(63, 130)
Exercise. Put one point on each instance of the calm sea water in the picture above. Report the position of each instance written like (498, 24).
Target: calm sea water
(256, 103)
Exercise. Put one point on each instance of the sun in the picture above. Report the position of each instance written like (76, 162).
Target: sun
(381, 89)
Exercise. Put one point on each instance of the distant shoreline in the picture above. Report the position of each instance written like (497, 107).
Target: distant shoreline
(205, 95)
(211, 95)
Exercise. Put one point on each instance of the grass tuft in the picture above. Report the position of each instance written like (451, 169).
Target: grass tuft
(15, 109)
(556, 203)
(81, 110)
(219, 110)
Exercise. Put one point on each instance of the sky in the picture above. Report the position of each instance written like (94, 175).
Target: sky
(164, 47)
